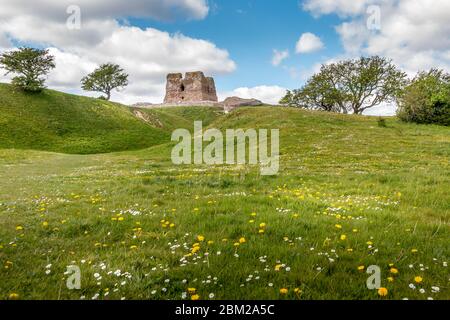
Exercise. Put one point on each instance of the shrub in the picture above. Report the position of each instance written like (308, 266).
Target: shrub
(427, 99)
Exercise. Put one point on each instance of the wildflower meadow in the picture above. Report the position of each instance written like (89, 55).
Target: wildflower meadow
(350, 195)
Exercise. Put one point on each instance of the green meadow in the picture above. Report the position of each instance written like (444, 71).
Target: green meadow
(89, 183)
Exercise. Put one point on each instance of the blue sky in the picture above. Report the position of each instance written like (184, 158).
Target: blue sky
(250, 31)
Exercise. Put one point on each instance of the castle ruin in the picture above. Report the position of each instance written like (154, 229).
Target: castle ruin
(195, 87)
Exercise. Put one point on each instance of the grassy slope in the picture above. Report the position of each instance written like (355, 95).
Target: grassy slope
(179, 117)
(55, 121)
(387, 188)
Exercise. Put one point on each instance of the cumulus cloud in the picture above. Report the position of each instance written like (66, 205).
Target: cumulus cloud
(157, 9)
(414, 33)
(341, 7)
(146, 54)
(4, 41)
(309, 43)
(267, 94)
(279, 57)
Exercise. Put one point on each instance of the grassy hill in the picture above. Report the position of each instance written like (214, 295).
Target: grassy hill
(55, 121)
(350, 194)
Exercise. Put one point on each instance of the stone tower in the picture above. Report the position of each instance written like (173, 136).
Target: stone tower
(195, 87)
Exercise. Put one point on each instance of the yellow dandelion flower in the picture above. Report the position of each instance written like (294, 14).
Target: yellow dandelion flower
(338, 226)
(278, 267)
(172, 225)
(261, 231)
(192, 290)
(242, 240)
(121, 219)
(200, 238)
(297, 290)
(237, 244)
(19, 228)
(361, 268)
(343, 237)
(253, 214)
(133, 247)
(45, 224)
(390, 279)
(284, 291)
(394, 271)
(414, 251)
(262, 225)
(418, 279)
(13, 296)
(210, 242)
(195, 250)
(382, 292)
(195, 297)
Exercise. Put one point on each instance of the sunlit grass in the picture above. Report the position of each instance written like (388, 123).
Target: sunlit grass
(350, 194)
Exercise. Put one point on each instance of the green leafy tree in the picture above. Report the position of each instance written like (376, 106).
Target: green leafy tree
(31, 66)
(426, 99)
(351, 86)
(292, 99)
(105, 79)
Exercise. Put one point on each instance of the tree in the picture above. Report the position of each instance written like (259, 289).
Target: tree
(352, 86)
(426, 99)
(105, 79)
(30, 64)
(292, 99)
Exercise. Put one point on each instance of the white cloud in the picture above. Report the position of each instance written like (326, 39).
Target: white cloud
(414, 33)
(267, 94)
(309, 43)
(4, 41)
(93, 10)
(71, 68)
(384, 109)
(341, 7)
(146, 55)
(279, 57)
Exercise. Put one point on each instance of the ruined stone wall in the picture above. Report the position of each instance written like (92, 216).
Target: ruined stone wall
(195, 87)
